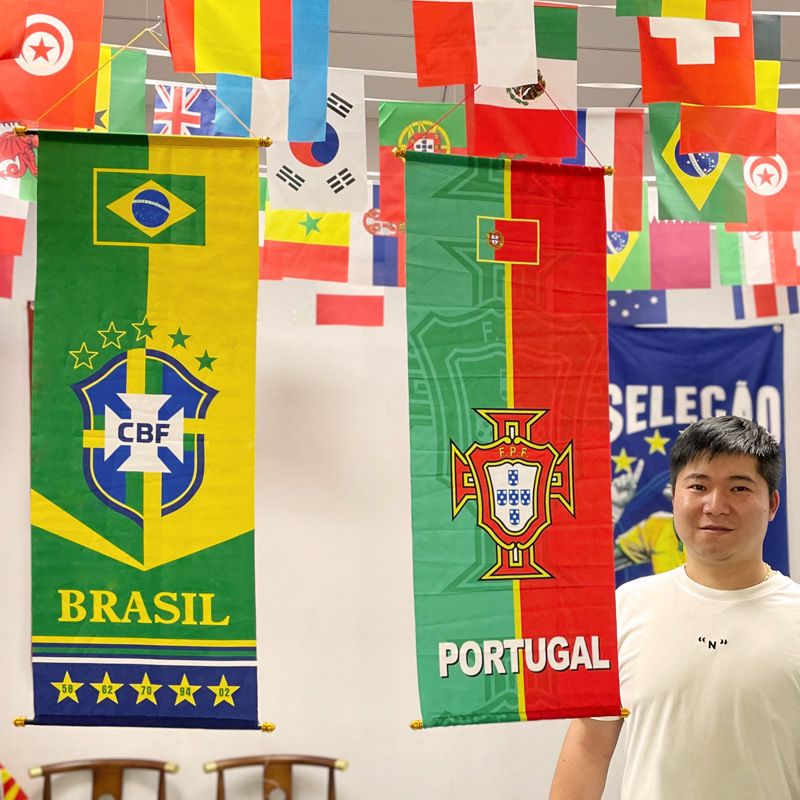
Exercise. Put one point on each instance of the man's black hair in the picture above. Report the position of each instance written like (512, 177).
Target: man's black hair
(727, 436)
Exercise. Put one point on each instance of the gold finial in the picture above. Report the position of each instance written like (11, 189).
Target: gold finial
(609, 170)
(341, 764)
(210, 766)
(401, 226)
(623, 713)
(35, 772)
(264, 141)
(416, 725)
(399, 151)
(170, 767)
(20, 722)
(20, 130)
(267, 727)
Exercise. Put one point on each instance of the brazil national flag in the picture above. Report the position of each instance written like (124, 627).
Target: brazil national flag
(508, 390)
(142, 432)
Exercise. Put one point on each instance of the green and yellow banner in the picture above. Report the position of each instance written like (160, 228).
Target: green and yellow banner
(142, 432)
(510, 481)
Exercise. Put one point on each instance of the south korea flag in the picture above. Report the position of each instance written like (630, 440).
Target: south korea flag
(330, 175)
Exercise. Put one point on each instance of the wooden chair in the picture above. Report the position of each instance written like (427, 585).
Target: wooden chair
(107, 774)
(277, 772)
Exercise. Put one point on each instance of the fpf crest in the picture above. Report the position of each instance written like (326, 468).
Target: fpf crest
(515, 482)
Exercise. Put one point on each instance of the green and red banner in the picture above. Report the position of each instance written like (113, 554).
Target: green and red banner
(142, 429)
(510, 483)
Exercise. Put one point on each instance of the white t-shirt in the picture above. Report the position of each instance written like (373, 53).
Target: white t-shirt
(712, 681)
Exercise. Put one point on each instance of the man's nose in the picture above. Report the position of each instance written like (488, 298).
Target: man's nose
(716, 502)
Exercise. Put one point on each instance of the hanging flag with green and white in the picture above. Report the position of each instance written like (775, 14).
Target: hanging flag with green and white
(695, 187)
(121, 83)
(142, 429)
(510, 483)
(744, 258)
(517, 120)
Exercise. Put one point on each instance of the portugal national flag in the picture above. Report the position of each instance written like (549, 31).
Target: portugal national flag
(506, 120)
(508, 385)
(474, 41)
(698, 60)
(60, 49)
(245, 37)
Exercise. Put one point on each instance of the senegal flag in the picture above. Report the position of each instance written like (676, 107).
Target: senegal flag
(142, 432)
(510, 483)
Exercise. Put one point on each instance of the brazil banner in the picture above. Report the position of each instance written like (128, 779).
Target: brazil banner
(510, 480)
(142, 432)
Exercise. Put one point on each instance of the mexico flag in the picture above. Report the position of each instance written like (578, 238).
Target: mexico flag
(475, 41)
(508, 382)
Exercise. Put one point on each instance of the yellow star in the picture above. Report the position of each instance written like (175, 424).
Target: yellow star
(107, 690)
(657, 442)
(83, 357)
(623, 461)
(184, 691)
(147, 691)
(67, 688)
(111, 336)
(223, 693)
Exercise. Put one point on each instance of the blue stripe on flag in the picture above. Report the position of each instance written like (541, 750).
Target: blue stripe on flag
(580, 155)
(791, 296)
(236, 91)
(738, 302)
(384, 251)
(308, 88)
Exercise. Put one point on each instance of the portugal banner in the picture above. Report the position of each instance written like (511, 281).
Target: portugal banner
(513, 573)
(655, 392)
(142, 432)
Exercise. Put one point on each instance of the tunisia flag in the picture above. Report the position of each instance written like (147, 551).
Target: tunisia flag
(60, 48)
(699, 61)
(773, 183)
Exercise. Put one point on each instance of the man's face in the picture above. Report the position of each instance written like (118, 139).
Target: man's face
(721, 508)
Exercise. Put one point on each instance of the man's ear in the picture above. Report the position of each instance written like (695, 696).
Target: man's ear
(774, 502)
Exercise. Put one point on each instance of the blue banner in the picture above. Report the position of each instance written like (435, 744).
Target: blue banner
(661, 380)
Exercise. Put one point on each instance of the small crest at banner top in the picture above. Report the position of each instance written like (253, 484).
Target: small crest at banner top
(515, 482)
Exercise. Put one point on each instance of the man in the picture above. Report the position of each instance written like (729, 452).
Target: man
(709, 652)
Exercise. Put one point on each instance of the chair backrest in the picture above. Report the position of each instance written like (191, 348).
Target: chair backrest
(107, 774)
(277, 772)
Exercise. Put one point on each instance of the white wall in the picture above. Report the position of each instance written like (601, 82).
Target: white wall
(334, 584)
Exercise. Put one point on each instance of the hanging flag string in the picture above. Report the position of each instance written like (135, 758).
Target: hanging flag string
(608, 170)
(95, 71)
(264, 141)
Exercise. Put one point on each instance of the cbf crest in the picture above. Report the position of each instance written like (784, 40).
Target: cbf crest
(515, 482)
(143, 440)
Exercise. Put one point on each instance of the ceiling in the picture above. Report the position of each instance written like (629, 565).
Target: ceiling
(377, 37)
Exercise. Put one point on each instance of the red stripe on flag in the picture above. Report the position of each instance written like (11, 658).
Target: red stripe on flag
(745, 131)
(350, 309)
(393, 186)
(179, 18)
(444, 36)
(312, 262)
(401, 259)
(765, 299)
(276, 39)
(12, 235)
(786, 258)
(628, 170)
(560, 363)
(538, 133)
(6, 274)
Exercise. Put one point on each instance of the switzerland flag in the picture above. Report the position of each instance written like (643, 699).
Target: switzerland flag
(699, 61)
(60, 48)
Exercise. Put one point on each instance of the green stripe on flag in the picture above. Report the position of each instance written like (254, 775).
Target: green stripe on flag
(556, 32)
(462, 337)
(128, 86)
(767, 37)
(730, 257)
(639, 8)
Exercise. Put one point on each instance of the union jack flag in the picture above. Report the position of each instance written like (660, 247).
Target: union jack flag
(183, 110)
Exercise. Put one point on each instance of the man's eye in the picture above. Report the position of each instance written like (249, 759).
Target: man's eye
(741, 488)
